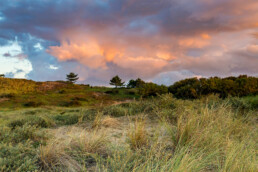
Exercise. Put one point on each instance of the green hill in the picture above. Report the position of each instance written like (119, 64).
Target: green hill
(19, 93)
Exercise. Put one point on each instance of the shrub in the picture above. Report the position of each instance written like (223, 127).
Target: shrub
(113, 91)
(193, 88)
(116, 111)
(132, 91)
(151, 89)
(22, 134)
(9, 96)
(33, 104)
(66, 119)
(79, 99)
(71, 103)
(61, 91)
(239, 103)
(20, 157)
(38, 121)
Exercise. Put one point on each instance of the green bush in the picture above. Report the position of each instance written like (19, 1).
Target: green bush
(151, 89)
(115, 111)
(113, 91)
(21, 134)
(38, 121)
(66, 119)
(193, 88)
(61, 91)
(20, 157)
(72, 103)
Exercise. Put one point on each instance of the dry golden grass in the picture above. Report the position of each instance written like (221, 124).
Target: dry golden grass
(107, 121)
(90, 142)
(110, 122)
(62, 153)
(137, 134)
(97, 121)
(53, 157)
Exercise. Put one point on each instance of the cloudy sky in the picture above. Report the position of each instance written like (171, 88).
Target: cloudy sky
(157, 40)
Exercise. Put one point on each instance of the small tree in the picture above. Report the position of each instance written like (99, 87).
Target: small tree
(138, 83)
(116, 81)
(2, 75)
(131, 84)
(72, 77)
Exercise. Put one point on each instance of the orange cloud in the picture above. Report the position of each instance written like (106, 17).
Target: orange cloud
(195, 42)
(89, 53)
(205, 36)
(253, 48)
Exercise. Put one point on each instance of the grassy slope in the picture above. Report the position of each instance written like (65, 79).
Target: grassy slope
(17, 93)
(161, 134)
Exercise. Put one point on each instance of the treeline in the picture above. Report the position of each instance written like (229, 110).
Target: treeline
(194, 88)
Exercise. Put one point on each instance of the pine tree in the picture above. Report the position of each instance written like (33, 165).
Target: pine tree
(116, 81)
(72, 77)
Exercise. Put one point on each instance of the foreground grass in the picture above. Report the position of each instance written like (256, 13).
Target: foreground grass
(161, 134)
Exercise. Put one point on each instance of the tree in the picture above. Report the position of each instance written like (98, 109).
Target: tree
(152, 89)
(131, 84)
(116, 81)
(72, 77)
(135, 83)
(139, 83)
(2, 75)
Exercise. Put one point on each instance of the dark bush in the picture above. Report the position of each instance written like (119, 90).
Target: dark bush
(113, 91)
(33, 104)
(79, 99)
(66, 119)
(71, 103)
(132, 92)
(61, 91)
(231, 86)
(9, 96)
(151, 89)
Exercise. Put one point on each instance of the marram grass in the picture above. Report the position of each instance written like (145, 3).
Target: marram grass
(161, 134)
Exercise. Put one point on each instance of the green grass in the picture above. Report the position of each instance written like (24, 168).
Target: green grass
(17, 94)
(156, 134)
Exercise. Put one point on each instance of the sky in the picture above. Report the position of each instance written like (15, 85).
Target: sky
(161, 41)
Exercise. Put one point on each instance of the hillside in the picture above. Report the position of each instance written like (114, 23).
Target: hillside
(57, 126)
(159, 134)
(20, 93)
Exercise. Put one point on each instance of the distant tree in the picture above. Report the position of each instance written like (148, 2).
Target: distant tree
(135, 83)
(152, 89)
(2, 75)
(131, 84)
(139, 83)
(116, 81)
(72, 77)
(193, 88)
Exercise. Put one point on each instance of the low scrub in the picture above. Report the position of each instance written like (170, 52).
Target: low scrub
(72, 103)
(33, 104)
(33, 120)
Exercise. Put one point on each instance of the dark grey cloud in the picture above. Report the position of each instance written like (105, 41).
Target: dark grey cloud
(139, 29)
